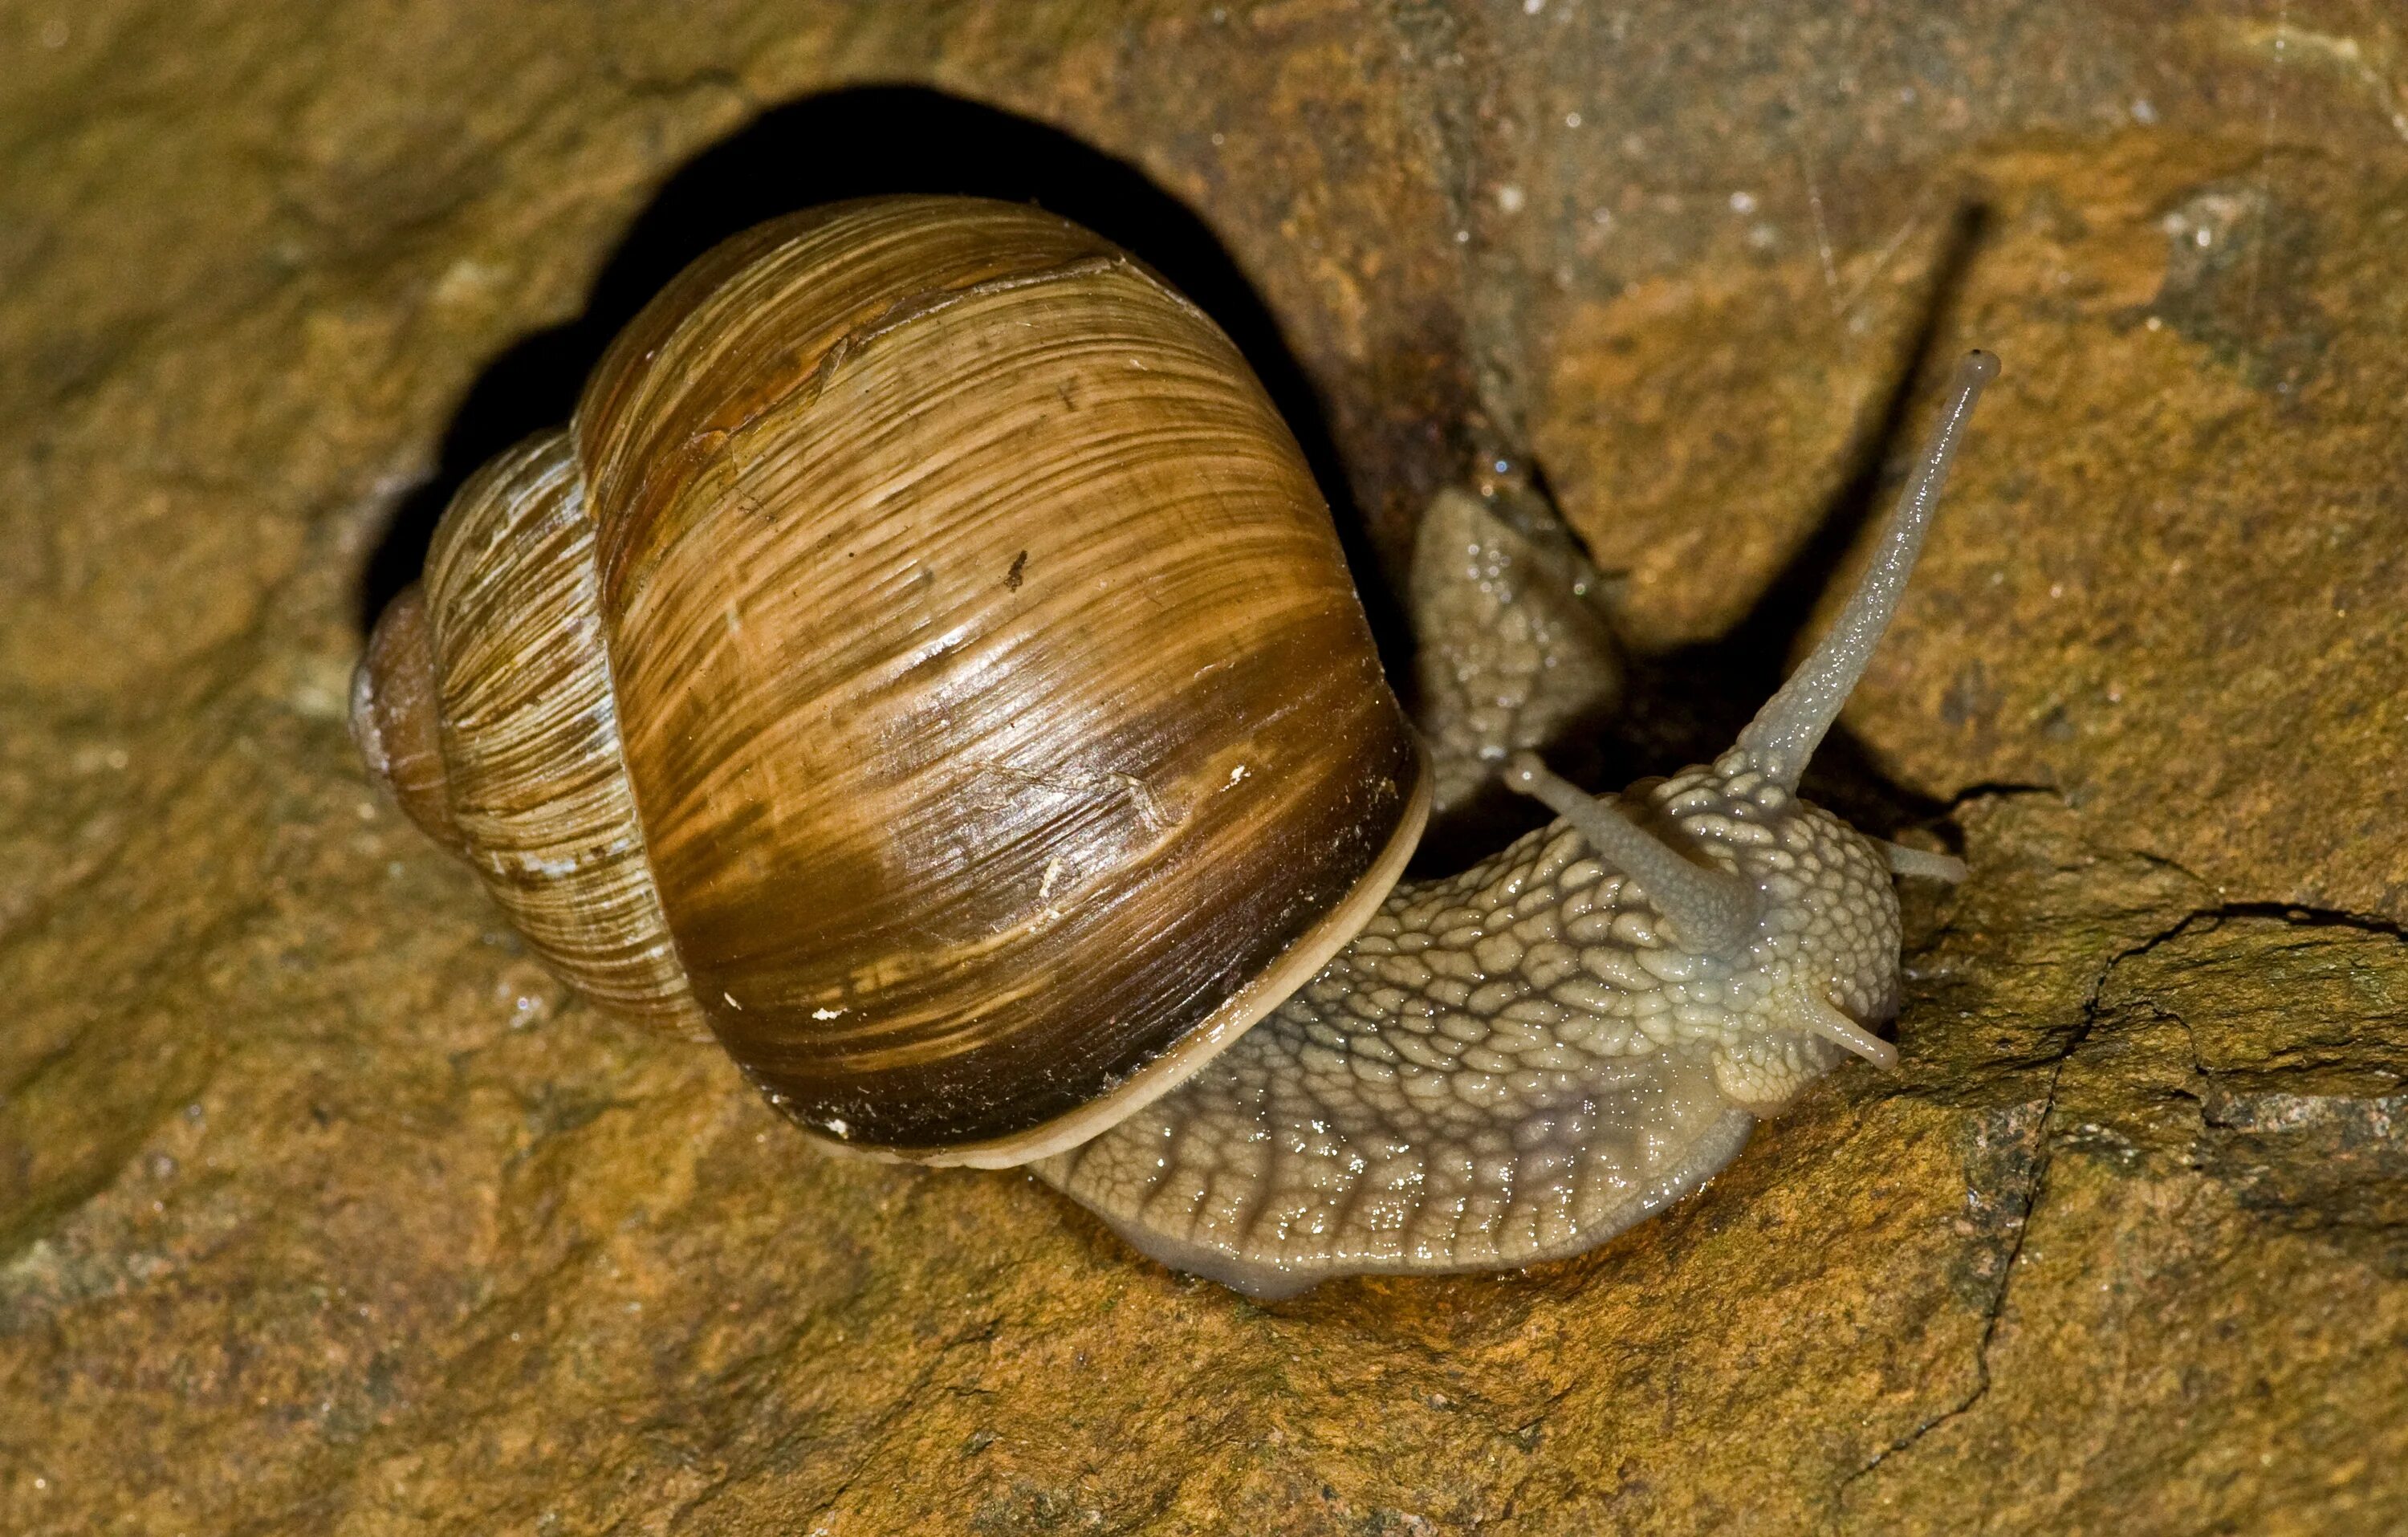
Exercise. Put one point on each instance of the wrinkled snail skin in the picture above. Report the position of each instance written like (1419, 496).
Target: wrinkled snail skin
(925, 665)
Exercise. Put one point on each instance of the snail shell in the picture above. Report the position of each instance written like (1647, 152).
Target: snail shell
(926, 665)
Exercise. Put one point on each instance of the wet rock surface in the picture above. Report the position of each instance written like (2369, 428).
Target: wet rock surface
(323, 1209)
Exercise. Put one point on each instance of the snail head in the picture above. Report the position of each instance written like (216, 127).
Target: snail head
(1779, 917)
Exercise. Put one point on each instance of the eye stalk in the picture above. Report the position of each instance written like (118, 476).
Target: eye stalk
(1785, 732)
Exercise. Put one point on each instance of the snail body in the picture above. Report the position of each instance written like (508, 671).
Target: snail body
(925, 666)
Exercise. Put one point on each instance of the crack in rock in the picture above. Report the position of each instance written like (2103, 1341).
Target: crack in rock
(2048, 1135)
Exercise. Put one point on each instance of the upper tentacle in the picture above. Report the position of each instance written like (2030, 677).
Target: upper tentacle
(1785, 732)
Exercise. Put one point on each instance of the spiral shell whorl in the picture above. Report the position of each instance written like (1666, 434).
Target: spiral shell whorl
(538, 784)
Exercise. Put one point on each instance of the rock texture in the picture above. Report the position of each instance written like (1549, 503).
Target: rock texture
(322, 1210)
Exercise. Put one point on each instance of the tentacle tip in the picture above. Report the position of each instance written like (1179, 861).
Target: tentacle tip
(1523, 772)
(1824, 1018)
(1981, 366)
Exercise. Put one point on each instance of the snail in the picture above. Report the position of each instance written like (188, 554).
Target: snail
(925, 666)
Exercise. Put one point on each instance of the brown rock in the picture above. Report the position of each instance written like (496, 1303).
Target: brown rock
(322, 1210)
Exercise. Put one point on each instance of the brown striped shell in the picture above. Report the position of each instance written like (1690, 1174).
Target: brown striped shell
(927, 664)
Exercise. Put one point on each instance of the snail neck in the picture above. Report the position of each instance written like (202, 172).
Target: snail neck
(394, 718)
